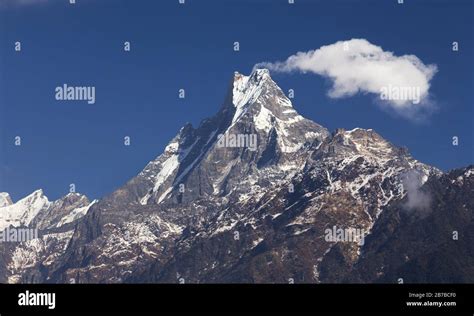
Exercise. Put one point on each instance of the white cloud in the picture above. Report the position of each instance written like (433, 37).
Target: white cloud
(417, 200)
(401, 82)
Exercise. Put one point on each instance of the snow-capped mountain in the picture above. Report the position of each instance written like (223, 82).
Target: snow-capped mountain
(52, 222)
(247, 196)
(255, 105)
(24, 211)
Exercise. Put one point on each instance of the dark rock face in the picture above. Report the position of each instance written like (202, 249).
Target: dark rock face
(259, 194)
(433, 245)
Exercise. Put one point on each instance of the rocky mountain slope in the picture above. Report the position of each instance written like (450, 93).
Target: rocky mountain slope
(251, 195)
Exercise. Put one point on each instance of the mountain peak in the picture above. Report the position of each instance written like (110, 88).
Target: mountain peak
(259, 74)
(253, 82)
(256, 75)
(258, 88)
(37, 194)
(258, 103)
(24, 211)
(5, 199)
(256, 110)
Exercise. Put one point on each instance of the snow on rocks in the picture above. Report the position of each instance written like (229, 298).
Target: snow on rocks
(24, 211)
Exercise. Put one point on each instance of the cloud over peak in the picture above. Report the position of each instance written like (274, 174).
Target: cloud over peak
(358, 66)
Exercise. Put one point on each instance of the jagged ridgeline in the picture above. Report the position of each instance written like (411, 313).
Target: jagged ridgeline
(256, 194)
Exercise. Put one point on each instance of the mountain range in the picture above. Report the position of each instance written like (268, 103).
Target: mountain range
(209, 211)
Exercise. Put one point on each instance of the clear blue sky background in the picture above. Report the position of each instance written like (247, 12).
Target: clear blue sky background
(191, 46)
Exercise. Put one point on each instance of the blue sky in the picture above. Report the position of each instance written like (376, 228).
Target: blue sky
(191, 46)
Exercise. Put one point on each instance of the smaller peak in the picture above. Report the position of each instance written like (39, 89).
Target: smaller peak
(36, 195)
(38, 192)
(72, 198)
(5, 199)
(74, 195)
